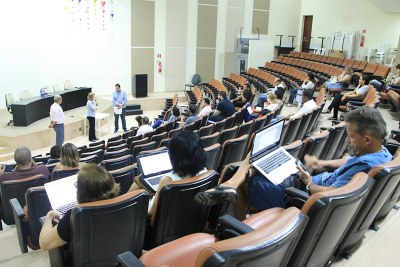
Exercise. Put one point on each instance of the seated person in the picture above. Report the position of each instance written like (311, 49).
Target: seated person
(271, 104)
(193, 116)
(225, 108)
(308, 104)
(205, 108)
(308, 83)
(145, 127)
(25, 166)
(279, 86)
(342, 81)
(139, 120)
(181, 145)
(366, 131)
(241, 100)
(69, 158)
(393, 84)
(93, 183)
(54, 154)
(341, 100)
(173, 117)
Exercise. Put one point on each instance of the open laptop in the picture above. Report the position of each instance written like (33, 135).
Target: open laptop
(153, 167)
(271, 160)
(62, 193)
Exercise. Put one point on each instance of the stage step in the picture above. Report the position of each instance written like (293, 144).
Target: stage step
(133, 110)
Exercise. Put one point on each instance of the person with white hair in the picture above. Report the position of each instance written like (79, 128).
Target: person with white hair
(57, 119)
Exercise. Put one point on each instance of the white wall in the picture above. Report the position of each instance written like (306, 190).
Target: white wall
(42, 45)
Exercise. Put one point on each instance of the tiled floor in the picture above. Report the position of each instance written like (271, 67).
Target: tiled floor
(379, 248)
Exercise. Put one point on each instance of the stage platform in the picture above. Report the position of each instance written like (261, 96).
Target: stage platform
(38, 136)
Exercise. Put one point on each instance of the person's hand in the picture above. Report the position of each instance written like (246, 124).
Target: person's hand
(312, 162)
(304, 176)
(2, 168)
(344, 97)
(53, 215)
(51, 126)
(119, 105)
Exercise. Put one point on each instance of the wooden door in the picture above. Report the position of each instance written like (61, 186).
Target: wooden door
(307, 28)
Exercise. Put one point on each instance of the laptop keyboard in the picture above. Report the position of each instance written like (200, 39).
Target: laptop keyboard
(66, 207)
(155, 180)
(271, 163)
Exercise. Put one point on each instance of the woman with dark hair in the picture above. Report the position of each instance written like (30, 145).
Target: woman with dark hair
(69, 158)
(175, 114)
(93, 183)
(308, 83)
(55, 152)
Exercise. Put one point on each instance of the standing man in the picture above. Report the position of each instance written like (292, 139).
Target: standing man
(57, 119)
(119, 99)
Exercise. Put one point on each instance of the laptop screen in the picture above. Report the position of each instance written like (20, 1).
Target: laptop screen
(267, 137)
(61, 192)
(155, 163)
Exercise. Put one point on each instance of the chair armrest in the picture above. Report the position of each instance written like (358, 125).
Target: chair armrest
(395, 86)
(294, 192)
(19, 224)
(234, 224)
(395, 131)
(128, 259)
(356, 103)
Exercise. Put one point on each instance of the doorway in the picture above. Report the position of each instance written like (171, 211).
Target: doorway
(307, 28)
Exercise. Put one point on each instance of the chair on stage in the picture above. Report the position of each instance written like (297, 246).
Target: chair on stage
(25, 94)
(9, 102)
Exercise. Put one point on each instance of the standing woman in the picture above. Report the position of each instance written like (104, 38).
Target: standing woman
(91, 107)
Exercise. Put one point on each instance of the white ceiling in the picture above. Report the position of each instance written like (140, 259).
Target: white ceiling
(388, 6)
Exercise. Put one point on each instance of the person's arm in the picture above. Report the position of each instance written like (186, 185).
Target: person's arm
(312, 162)
(396, 81)
(114, 100)
(52, 121)
(125, 98)
(92, 106)
(49, 237)
(344, 79)
(153, 208)
(312, 188)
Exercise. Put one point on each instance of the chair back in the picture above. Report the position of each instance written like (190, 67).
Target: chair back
(389, 204)
(314, 118)
(259, 123)
(271, 245)
(138, 142)
(230, 122)
(50, 167)
(330, 212)
(149, 134)
(94, 148)
(9, 100)
(132, 139)
(25, 94)
(206, 130)
(59, 174)
(113, 139)
(204, 120)
(16, 189)
(98, 152)
(89, 159)
(158, 137)
(210, 139)
(294, 148)
(335, 136)
(116, 143)
(177, 213)
(342, 145)
(212, 156)
(139, 148)
(219, 126)
(291, 131)
(117, 163)
(313, 145)
(68, 85)
(165, 142)
(245, 128)
(174, 132)
(228, 134)
(116, 154)
(94, 242)
(233, 150)
(304, 122)
(124, 177)
(386, 177)
(98, 143)
(127, 134)
(117, 147)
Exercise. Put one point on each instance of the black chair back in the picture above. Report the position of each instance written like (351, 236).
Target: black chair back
(127, 134)
(228, 134)
(245, 128)
(230, 122)
(99, 153)
(158, 137)
(149, 134)
(165, 142)
(212, 156)
(305, 121)
(91, 149)
(41, 159)
(313, 145)
(124, 177)
(174, 132)
(117, 163)
(204, 121)
(133, 138)
(233, 150)
(117, 147)
(294, 148)
(97, 143)
(259, 123)
(291, 131)
(116, 143)
(219, 126)
(113, 139)
(116, 154)
(138, 142)
(209, 140)
(335, 136)
(139, 148)
(59, 174)
(206, 130)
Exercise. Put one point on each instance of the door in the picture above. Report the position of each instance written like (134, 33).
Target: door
(307, 28)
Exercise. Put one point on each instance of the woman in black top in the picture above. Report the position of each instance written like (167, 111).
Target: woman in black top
(93, 183)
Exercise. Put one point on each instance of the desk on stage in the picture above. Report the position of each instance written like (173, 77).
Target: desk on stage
(284, 50)
(28, 111)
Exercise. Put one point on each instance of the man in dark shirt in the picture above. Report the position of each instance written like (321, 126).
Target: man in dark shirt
(225, 108)
(25, 166)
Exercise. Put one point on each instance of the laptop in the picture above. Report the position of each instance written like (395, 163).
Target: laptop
(153, 167)
(268, 157)
(62, 193)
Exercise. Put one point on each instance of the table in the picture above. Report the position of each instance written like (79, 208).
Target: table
(284, 50)
(28, 111)
(98, 118)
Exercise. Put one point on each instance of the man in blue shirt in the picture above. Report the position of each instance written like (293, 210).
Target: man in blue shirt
(119, 99)
(225, 108)
(193, 116)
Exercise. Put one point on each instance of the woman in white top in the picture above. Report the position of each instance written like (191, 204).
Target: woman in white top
(91, 107)
(394, 83)
(342, 81)
(308, 83)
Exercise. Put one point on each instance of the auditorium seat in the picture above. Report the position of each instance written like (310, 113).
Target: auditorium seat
(228, 134)
(116, 143)
(59, 174)
(332, 143)
(212, 156)
(149, 134)
(303, 127)
(138, 142)
(116, 154)
(245, 128)
(206, 130)
(259, 123)
(117, 163)
(98, 152)
(233, 150)
(211, 139)
(177, 214)
(292, 128)
(294, 148)
(143, 147)
(127, 134)
(229, 122)
(50, 167)
(219, 126)
(158, 137)
(173, 132)
(94, 242)
(314, 145)
(389, 205)
(124, 177)
(38, 205)
(165, 142)
(98, 143)
(204, 120)
(386, 177)
(132, 139)
(89, 159)
(117, 147)
(113, 139)
(94, 148)
(16, 189)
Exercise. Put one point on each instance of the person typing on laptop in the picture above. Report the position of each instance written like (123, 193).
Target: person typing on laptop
(93, 183)
(366, 131)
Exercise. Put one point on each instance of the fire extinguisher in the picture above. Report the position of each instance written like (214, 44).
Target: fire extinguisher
(362, 39)
(159, 66)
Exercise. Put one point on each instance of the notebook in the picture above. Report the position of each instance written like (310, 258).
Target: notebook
(153, 167)
(268, 157)
(62, 193)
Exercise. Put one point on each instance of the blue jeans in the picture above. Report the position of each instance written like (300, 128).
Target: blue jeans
(265, 195)
(59, 129)
(293, 94)
(116, 116)
(261, 99)
(157, 123)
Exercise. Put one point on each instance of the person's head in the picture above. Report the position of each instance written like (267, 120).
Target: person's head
(139, 120)
(95, 183)
(192, 109)
(277, 81)
(145, 120)
(117, 87)
(175, 111)
(23, 157)
(307, 95)
(364, 80)
(69, 155)
(91, 96)
(279, 93)
(221, 95)
(58, 99)
(247, 86)
(348, 70)
(55, 152)
(398, 68)
(272, 98)
(187, 154)
(311, 77)
(207, 101)
(366, 130)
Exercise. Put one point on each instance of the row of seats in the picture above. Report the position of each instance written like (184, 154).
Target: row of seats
(261, 79)
(287, 73)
